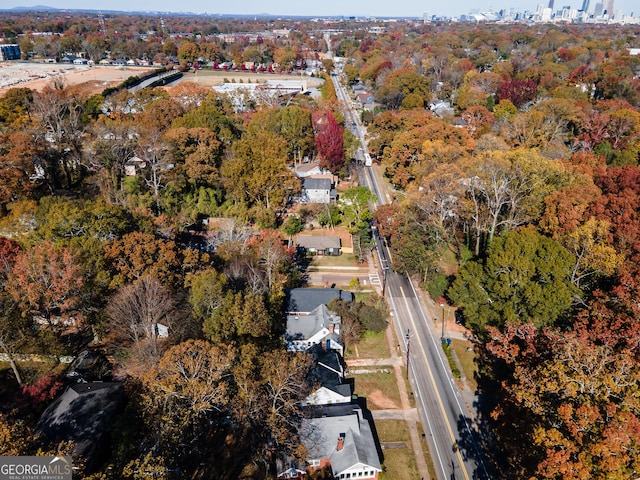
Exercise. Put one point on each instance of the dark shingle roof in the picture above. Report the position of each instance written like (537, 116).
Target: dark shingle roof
(308, 299)
(316, 184)
(81, 414)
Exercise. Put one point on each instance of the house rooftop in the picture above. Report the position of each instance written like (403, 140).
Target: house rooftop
(327, 370)
(304, 168)
(311, 183)
(305, 326)
(305, 300)
(320, 436)
(81, 414)
(319, 242)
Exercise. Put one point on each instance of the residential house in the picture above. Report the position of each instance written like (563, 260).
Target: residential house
(310, 169)
(441, 109)
(133, 166)
(339, 437)
(318, 244)
(328, 374)
(81, 415)
(294, 471)
(317, 190)
(302, 301)
(319, 327)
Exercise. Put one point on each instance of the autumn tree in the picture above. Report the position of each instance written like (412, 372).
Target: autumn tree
(187, 395)
(329, 142)
(578, 394)
(207, 290)
(46, 281)
(518, 91)
(138, 254)
(257, 173)
(59, 113)
(296, 127)
(505, 190)
(355, 205)
(242, 316)
(198, 152)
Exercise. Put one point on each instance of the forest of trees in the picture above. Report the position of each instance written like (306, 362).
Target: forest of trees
(522, 208)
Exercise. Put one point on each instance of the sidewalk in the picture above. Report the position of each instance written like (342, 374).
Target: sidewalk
(407, 413)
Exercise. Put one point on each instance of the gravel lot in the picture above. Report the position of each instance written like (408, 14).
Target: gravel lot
(37, 75)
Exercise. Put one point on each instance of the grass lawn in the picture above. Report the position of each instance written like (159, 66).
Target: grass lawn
(344, 260)
(466, 359)
(380, 389)
(399, 463)
(393, 431)
(427, 456)
(372, 345)
(362, 296)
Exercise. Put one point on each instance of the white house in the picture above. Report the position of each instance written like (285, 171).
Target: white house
(340, 437)
(319, 327)
(317, 190)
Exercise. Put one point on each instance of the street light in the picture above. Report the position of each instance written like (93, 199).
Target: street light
(443, 320)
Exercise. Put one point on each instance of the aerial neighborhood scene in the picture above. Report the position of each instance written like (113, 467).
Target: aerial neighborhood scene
(332, 241)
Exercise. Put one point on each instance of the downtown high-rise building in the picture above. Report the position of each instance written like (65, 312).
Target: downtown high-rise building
(585, 5)
(608, 7)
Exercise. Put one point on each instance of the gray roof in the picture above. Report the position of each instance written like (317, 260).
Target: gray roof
(327, 370)
(320, 437)
(319, 242)
(316, 183)
(81, 414)
(300, 327)
(308, 299)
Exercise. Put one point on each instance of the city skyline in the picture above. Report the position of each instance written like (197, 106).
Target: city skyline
(376, 8)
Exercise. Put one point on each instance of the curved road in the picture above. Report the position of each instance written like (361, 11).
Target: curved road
(448, 424)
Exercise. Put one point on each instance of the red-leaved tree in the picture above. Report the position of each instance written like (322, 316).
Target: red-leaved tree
(518, 91)
(329, 141)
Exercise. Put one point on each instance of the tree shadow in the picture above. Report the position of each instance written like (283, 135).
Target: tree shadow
(477, 434)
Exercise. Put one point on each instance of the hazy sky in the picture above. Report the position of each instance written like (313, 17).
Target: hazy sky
(395, 8)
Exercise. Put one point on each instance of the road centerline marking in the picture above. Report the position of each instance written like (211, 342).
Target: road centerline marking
(435, 390)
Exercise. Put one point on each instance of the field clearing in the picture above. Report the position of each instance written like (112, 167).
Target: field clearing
(36, 76)
(217, 77)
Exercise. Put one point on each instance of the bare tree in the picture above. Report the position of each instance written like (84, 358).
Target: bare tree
(136, 310)
(10, 338)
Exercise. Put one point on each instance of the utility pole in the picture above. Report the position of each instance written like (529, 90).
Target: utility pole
(408, 338)
(385, 269)
(443, 320)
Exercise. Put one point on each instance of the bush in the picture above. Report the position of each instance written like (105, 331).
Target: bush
(437, 285)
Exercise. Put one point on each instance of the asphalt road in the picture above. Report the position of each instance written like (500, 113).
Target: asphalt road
(448, 424)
